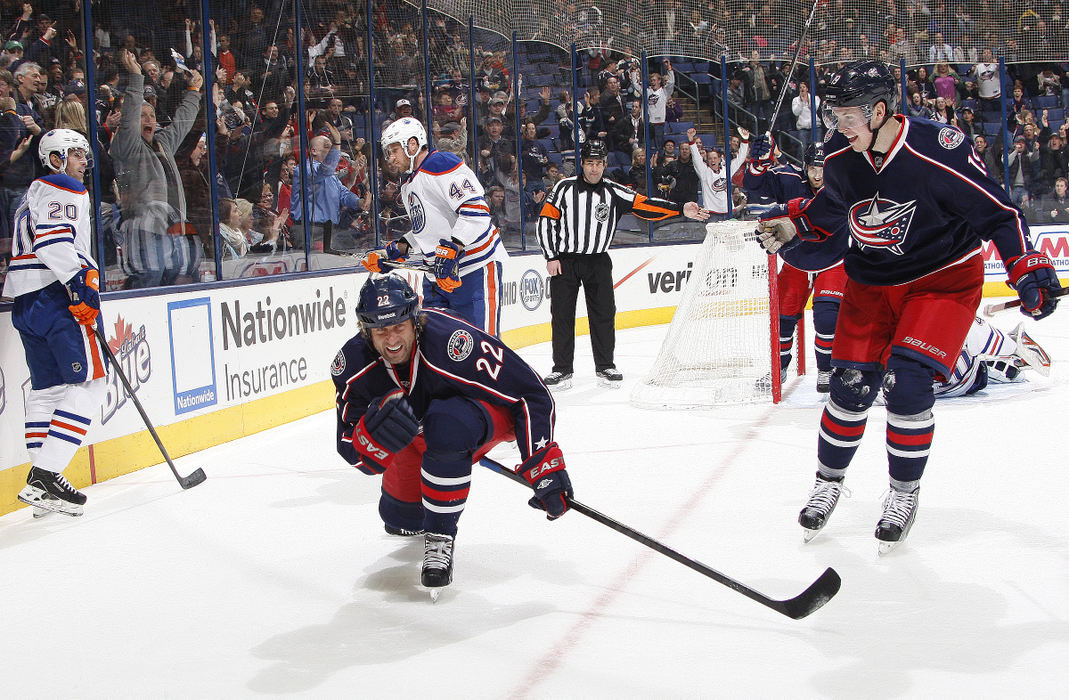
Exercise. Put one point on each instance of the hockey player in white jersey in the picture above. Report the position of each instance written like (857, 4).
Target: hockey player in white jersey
(993, 356)
(451, 227)
(54, 282)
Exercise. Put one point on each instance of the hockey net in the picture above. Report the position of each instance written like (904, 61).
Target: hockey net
(724, 334)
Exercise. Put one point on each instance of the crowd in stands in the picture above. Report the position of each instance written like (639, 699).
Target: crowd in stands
(155, 116)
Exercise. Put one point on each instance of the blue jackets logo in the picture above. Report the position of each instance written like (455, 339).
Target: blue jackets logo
(881, 223)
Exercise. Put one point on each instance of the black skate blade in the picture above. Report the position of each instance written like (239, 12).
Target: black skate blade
(197, 477)
(813, 598)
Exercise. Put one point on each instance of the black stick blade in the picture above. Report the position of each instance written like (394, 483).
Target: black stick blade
(197, 477)
(813, 598)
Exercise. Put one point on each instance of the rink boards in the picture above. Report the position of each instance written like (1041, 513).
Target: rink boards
(214, 364)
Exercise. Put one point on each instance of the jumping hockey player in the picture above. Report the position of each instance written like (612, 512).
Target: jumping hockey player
(766, 180)
(421, 397)
(914, 200)
(55, 284)
(451, 227)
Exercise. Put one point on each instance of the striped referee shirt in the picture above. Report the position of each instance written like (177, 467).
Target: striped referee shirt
(579, 218)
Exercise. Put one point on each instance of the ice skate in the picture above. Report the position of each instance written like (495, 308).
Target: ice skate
(822, 501)
(824, 381)
(558, 381)
(899, 511)
(610, 378)
(52, 492)
(401, 531)
(437, 563)
(1029, 353)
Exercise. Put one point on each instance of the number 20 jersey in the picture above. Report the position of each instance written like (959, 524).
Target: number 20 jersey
(52, 235)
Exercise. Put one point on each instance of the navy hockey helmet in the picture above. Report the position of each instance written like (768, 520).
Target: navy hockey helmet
(860, 84)
(813, 155)
(594, 149)
(386, 301)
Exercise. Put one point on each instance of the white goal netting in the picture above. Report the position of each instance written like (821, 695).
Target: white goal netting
(718, 348)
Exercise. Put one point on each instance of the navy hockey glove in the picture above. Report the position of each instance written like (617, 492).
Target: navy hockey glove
(447, 265)
(762, 152)
(388, 426)
(544, 471)
(1036, 282)
(84, 290)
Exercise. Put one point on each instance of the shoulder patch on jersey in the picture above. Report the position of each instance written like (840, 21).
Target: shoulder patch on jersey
(338, 365)
(64, 182)
(950, 138)
(460, 345)
(440, 162)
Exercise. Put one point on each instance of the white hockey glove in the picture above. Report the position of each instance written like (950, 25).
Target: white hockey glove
(777, 234)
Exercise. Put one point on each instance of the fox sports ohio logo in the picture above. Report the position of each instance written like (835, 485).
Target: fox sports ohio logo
(416, 214)
(532, 290)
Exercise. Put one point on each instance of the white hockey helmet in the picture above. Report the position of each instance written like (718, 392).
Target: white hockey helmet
(402, 131)
(60, 142)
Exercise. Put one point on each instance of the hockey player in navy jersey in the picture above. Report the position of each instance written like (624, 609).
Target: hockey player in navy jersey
(451, 227)
(765, 180)
(906, 203)
(421, 396)
(54, 282)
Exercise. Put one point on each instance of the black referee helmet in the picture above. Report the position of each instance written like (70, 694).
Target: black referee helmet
(594, 149)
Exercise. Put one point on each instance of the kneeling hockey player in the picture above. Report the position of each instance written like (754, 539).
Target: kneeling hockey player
(421, 397)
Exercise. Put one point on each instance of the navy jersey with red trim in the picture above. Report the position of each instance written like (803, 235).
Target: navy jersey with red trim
(452, 358)
(779, 184)
(928, 207)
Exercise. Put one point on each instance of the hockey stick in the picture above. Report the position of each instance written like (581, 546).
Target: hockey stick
(790, 69)
(186, 482)
(811, 599)
(405, 265)
(395, 264)
(992, 309)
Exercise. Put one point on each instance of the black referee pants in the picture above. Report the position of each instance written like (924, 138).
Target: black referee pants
(594, 274)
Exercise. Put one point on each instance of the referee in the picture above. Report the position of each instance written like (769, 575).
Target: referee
(575, 228)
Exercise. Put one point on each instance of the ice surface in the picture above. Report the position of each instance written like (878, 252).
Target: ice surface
(275, 578)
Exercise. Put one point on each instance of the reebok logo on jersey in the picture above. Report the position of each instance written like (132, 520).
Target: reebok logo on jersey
(881, 223)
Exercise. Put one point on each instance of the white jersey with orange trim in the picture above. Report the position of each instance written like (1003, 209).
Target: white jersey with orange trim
(444, 200)
(52, 235)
